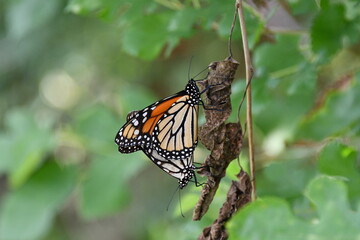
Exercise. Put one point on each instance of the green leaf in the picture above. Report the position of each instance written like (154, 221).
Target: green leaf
(83, 6)
(300, 7)
(282, 86)
(24, 146)
(106, 9)
(336, 220)
(340, 160)
(213, 11)
(172, 229)
(352, 9)
(132, 98)
(181, 23)
(225, 22)
(271, 218)
(27, 167)
(97, 126)
(265, 219)
(147, 36)
(270, 57)
(329, 28)
(291, 93)
(33, 206)
(297, 173)
(338, 114)
(180, 26)
(105, 189)
(255, 26)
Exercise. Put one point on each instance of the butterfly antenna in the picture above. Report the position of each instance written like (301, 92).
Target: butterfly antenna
(180, 205)
(231, 33)
(172, 197)
(207, 67)
(190, 67)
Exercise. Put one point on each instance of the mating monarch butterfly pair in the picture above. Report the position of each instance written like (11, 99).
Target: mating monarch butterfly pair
(166, 131)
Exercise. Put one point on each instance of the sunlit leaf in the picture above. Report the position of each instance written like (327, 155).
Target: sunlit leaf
(107, 9)
(340, 160)
(139, 40)
(329, 29)
(24, 146)
(83, 6)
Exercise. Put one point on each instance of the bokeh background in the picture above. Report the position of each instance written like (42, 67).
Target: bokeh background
(70, 71)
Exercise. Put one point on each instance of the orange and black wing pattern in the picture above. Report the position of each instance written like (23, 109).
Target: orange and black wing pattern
(169, 126)
(137, 133)
(175, 134)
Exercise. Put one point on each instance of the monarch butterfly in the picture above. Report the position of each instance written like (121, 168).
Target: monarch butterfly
(166, 131)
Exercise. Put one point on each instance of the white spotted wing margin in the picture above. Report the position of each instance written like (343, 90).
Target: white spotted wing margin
(129, 138)
(137, 132)
(181, 169)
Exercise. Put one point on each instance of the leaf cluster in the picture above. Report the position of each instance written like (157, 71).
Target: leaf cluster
(67, 76)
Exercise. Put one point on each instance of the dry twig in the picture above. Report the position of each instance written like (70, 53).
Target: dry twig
(249, 74)
(223, 140)
(238, 195)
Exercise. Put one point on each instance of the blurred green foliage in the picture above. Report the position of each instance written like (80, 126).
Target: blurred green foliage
(334, 218)
(70, 71)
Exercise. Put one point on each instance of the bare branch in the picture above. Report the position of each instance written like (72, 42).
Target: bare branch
(238, 195)
(223, 140)
(249, 74)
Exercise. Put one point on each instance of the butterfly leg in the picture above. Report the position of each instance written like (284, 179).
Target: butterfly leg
(197, 184)
(199, 167)
(207, 108)
(210, 86)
